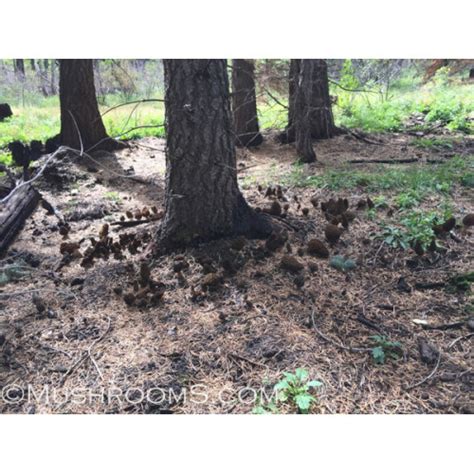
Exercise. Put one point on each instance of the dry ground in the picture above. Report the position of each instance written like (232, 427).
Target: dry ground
(249, 329)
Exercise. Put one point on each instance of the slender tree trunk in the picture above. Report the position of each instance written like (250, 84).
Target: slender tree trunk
(244, 103)
(19, 66)
(53, 77)
(321, 117)
(202, 199)
(289, 135)
(33, 65)
(79, 110)
(303, 111)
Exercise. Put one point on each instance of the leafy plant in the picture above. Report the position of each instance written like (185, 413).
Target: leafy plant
(395, 237)
(461, 282)
(295, 388)
(262, 409)
(419, 225)
(380, 202)
(385, 348)
(408, 199)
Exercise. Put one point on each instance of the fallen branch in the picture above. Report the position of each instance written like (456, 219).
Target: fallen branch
(360, 137)
(460, 338)
(443, 327)
(21, 203)
(131, 102)
(134, 223)
(251, 362)
(86, 354)
(409, 387)
(388, 162)
(338, 345)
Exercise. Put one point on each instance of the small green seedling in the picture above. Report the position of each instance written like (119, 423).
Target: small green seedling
(385, 348)
(342, 264)
(295, 388)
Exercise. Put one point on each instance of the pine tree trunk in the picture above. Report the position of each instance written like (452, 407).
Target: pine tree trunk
(79, 107)
(19, 66)
(202, 199)
(244, 103)
(303, 111)
(288, 135)
(321, 118)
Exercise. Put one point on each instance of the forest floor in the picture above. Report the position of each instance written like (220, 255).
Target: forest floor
(211, 343)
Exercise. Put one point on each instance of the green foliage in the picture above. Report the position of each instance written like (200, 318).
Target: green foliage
(14, 272)
(395, 236)
(408, 199)
(429, 143)
(416, 226)
(41, 120)
(342, 264)
(295, 388)
(385, 348)
(348, 81)
(112, 196)
(265, 409)
(380, 202)
(442, 99)
(423, 179)
(419, 226)
(461, 282)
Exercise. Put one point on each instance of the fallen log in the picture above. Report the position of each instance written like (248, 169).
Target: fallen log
(387, 161)
(14, 212)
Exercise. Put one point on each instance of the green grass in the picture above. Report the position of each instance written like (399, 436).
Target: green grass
(443, 98)
(40, 120)
(433, 143)
(421, 179)
(451, 101)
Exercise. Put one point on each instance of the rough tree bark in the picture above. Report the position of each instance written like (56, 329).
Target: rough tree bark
(14, 213)
(321, 117)
(202, 200)
(244, 103)
(79, 106)
(303, 111)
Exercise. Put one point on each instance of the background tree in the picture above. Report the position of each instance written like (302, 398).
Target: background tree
(79, 107)
(244, 103)
(202, 200)
(19, 67)
(303, 110)
(321, 116)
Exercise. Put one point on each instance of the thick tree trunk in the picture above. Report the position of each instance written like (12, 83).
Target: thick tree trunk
(202, 199)
(303, 112)
(321, 118)
(244, 103)
(14, 213)
(79, 109)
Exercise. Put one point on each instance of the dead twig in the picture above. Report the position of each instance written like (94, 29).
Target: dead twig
(251, 362)
(86, 354)
(337, 344)
(460, 338)
(428, 377)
